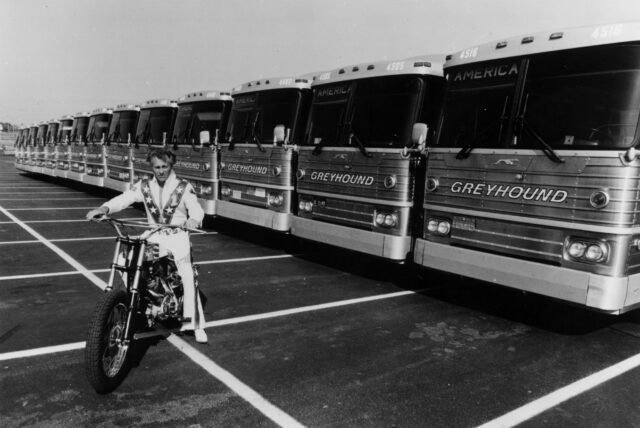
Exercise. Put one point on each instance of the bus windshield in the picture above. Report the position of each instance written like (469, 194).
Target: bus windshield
(254, 116)
(196, 117)
(123, 125)
(153, 123)
(64, 132)
(79, 130)
(42, 132)
(382, 112)
(586, 98)
(98, 127)
(52, 132)
(328, 114)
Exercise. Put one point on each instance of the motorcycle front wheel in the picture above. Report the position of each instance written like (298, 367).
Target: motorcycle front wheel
(106, 354)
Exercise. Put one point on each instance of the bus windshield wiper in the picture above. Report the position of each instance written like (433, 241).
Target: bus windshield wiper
(526, 126)
(363, 149)
(466, 150)
(254, 134)
(544, 146)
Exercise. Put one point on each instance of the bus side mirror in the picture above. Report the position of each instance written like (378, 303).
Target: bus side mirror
(418, 139)
(278, 134)
(419, 134)
(205, 138)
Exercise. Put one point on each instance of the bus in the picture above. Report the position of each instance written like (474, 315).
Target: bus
(39, 153)
(30, 156)
(257, 160)
(199, 126)
(77, 147)
(118, 147)
(361, 164)
(20, 148)
(533, 182)
(49, 167)
(154, 127)
(62, 148)
(97, 131)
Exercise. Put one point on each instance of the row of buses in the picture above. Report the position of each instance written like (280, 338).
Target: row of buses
(511, 162)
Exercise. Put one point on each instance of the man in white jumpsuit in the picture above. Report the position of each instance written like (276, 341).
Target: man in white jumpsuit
(168, 200)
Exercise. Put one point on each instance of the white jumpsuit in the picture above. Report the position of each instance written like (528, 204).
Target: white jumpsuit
(175, 243)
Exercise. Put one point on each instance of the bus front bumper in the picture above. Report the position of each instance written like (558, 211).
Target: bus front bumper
(120, 186)
(253, 215)
(364, 241)
(77, 176)
(93, 180)
(209, 206)
(605, 293)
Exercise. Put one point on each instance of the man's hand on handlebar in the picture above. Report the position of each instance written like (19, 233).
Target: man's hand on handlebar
(97, 214)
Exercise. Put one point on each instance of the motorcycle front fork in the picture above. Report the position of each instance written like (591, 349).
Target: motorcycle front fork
(135, 295)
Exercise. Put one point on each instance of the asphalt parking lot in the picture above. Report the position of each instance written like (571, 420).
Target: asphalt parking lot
(300, 334)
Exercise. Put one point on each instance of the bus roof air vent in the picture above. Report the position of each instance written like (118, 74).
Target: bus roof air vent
(556, 36)
(526, 40)
(501, 45)
(371, 67)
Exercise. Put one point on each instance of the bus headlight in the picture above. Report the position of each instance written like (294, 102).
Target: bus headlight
(585, 250)
(386, 220)
(276, 171)
(275, 199)
(595, 252)
(305, 206)
(439, 226)
(225, 190)
(444, 227)
(206, 190)
(577, 249)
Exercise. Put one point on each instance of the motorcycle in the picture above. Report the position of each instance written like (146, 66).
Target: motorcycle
(144, 303)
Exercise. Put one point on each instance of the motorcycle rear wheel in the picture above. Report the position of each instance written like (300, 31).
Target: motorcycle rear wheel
(106, 356)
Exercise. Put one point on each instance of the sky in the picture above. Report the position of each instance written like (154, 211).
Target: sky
(59, 57)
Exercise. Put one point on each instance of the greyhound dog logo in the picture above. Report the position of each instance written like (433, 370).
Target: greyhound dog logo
(510, 162)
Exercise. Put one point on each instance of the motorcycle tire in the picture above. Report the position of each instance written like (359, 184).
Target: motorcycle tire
(107, 361)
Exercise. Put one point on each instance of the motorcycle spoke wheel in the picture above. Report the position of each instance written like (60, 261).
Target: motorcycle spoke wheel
(106, 353)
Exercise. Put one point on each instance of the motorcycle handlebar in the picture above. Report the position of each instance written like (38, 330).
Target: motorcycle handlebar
(119, 226)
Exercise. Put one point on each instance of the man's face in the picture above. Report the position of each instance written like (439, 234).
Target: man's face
(161, 169)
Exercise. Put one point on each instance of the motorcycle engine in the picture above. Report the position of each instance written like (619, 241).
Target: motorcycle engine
(164, 290)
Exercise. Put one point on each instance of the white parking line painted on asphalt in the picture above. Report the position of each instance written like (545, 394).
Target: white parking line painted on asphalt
(78, 220)
(94, 238)
(68, 192)
(311, 308)
(35, 241)
(51, 199)
(49, 274)
(75, 272)
(246, 259)
(49, 209)
(230, 321)
(46, 221)
(251, 396)
(236, 385)
(66, 257)
(561, 395)
(41, 351)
